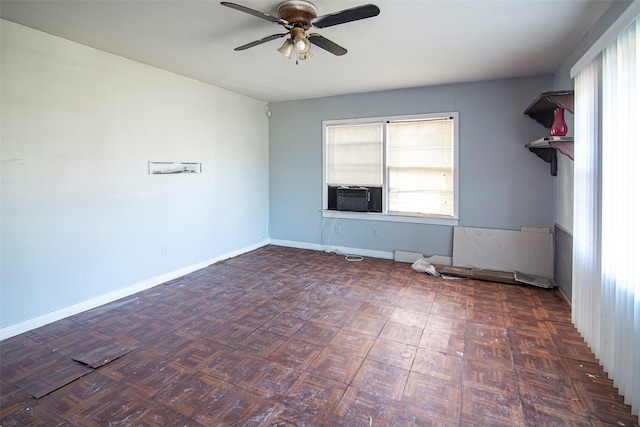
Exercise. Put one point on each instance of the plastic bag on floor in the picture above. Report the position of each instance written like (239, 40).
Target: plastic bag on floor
(423, 266)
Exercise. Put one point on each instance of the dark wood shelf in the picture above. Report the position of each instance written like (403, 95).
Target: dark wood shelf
(541, 110)
(563, 144)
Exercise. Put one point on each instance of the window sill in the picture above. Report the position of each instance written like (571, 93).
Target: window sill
(391, 217)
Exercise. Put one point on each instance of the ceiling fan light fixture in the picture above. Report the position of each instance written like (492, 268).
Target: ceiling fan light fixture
(287, 48)
(300, 42)
(306, 55)
(302, 45)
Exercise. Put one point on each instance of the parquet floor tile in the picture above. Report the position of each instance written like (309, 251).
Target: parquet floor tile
(282, 325)
(117, 407)
(482, 333)
(556, 395)
(196, 392)
(21, 356)
(237, 407)
(437, 364)
(46, 380)
(456, 310)
(290, 337)
(413, 416)
(352, 342)
(67, 400)
(410, 317)
(336, 365)
(360, 407)
(377, 310)
(443, 342)
(539, 415)
(381, 379)
(484, 375)
(401, 333)
(315, 395)
(486, 408)
(319, 333)
(548, 365)
(231, 365)
(441, 398)
(365, 325)
(392, 353)
(270, 379)
(446, 324)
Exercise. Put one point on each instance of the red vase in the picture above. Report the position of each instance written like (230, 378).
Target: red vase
(559, 126)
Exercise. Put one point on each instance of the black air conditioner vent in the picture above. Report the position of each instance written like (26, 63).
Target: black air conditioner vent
(355, 198)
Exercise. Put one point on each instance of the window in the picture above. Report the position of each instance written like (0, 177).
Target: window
(412, 158)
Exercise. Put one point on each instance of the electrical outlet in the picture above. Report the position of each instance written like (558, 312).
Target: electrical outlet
(164, 249)
(336, 229)
(374, 232)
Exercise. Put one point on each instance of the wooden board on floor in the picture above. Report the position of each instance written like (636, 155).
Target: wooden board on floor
(476, 273)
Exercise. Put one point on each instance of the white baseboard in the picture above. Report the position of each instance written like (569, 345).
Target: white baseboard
(54, 316)
(342, 250)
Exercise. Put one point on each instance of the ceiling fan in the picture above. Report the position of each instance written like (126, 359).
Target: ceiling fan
(298, 16)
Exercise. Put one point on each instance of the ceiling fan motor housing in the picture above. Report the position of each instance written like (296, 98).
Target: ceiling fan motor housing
(298, 12)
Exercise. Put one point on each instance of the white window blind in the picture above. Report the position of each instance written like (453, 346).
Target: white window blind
(420, 167)
(354, 154)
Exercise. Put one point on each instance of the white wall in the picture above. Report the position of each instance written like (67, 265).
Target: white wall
(502, 184)
(81, 217)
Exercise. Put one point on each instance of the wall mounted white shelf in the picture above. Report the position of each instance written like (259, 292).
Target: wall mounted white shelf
(161, 168)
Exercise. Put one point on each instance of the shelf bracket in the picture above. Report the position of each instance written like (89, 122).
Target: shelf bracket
(548, 155)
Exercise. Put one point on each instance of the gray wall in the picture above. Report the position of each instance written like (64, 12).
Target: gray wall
(82, 220)
(502, 184)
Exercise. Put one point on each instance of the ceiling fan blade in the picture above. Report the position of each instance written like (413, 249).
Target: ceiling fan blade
(262, 40)
(326, 44)
(347, 15)
(254, 12)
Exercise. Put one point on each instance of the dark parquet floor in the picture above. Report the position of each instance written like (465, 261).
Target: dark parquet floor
(289, 337)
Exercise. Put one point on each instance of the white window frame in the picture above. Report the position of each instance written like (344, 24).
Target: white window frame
(385, 215)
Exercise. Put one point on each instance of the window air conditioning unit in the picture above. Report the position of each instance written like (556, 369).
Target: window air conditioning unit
(355, 198)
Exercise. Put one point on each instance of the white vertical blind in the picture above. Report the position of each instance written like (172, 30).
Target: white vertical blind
(420, 166)
(620, 353)
(606, 289)
(586, 220)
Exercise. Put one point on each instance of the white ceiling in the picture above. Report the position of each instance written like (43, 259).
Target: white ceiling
(411, 43)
